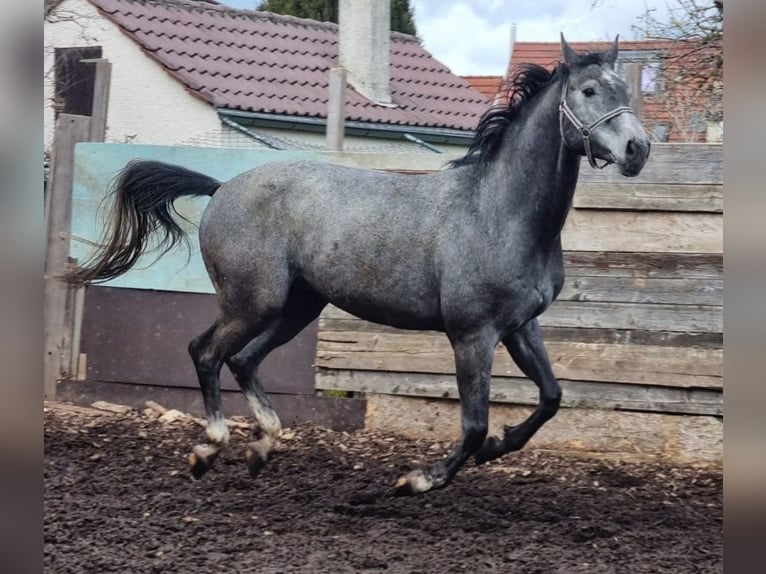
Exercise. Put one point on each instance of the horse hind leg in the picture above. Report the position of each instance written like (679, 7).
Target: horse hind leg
(208, 352)
(527, 350)
(302, 307)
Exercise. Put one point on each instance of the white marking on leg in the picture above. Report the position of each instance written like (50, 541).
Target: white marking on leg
(217, 431)
(417, 480)
(265, 417)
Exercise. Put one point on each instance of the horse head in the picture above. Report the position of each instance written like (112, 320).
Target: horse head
(596, 118)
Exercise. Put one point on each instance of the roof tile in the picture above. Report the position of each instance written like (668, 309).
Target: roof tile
(256, 61)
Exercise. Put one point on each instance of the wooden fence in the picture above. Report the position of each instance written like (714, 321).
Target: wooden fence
(637, 327)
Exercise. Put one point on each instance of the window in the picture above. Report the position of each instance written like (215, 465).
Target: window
(651, 69)
(75, 80)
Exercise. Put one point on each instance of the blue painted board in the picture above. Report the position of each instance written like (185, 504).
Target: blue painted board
(96, 164)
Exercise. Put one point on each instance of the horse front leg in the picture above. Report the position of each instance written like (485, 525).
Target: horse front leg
(528, 351)
(473, 362)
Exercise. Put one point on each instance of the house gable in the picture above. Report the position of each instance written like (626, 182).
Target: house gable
(146, 104)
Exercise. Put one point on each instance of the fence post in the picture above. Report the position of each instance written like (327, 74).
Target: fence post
(100, 99)
(70, 129)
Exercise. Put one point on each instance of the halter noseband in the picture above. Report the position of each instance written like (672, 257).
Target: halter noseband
(586, 131)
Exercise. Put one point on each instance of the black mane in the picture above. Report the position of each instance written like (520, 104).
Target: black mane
(527, 81)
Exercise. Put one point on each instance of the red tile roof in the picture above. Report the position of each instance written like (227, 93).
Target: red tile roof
(487, 86)
(263, 62)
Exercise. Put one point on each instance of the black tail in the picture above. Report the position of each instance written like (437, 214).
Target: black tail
(144, 193)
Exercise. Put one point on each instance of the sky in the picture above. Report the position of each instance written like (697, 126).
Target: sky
(472, 37)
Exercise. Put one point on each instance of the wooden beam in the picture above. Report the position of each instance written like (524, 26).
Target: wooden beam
(609, 315)
(70, 130)
(669, 163)
(431, 353)
(649, 265)
(650, 197)
(575, 394)
(649, 231)
(99, 111)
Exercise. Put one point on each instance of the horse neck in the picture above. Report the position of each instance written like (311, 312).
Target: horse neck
(533, 178)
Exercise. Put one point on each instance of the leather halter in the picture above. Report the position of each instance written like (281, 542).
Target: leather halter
(586, 131)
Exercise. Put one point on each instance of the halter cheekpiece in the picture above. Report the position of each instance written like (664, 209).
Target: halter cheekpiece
(586, 131)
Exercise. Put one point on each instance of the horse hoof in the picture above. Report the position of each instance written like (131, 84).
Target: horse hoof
(201, 459)
(414, 482)
(257, 454)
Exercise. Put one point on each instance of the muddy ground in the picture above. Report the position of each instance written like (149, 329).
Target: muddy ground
(118, 498)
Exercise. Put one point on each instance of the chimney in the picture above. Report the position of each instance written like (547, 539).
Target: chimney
(365, 37)
(504, 82)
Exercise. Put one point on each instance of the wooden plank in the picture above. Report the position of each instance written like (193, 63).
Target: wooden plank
(642, 290)
(679, 318)
(598, 315)
(424, 353)
(650, 196)
(647, 231)
(583, 335)
(593, 335)
(575, 394)
(644, 265)
(70, 130)
(670, 163)
(103, 77)
(635, 336)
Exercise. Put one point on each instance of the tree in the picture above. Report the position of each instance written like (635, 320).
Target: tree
(694, 66)
(402, 17)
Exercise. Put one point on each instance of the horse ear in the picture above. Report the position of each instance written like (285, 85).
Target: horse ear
(570, 56)
(611, 55)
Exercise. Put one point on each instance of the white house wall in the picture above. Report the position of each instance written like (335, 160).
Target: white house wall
(146, 105)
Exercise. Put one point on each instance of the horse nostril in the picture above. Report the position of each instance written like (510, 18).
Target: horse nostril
(630, 149)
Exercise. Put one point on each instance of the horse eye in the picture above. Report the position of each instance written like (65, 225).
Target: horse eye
(589, 92)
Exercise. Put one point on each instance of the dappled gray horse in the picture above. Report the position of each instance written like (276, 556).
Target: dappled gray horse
(473, 251)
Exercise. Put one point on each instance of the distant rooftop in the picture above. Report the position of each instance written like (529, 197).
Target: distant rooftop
(266, 63)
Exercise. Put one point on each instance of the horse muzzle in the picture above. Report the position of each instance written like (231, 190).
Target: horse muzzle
(634, 156)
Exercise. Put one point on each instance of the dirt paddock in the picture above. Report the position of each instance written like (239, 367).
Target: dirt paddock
(118, 498)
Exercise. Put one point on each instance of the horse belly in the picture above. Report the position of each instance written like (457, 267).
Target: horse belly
(390, 297)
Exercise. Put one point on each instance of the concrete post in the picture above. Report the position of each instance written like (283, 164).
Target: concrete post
(336, 105)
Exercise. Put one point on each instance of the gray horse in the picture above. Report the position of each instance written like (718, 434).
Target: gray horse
(473, 251)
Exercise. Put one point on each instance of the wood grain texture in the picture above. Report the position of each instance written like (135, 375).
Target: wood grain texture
(57, 329)
(576, 394)
(669, 164)
(600, 315)
(650, 197)
(643, 231)
(432, 353)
